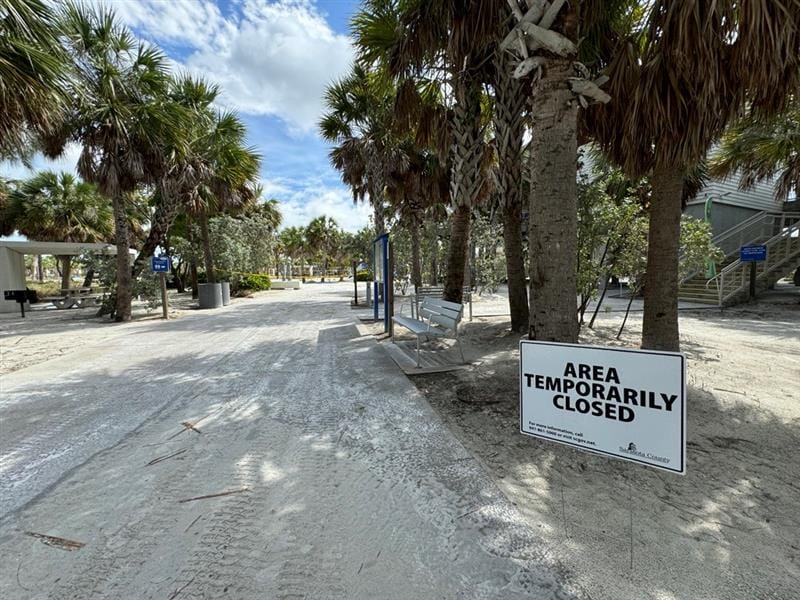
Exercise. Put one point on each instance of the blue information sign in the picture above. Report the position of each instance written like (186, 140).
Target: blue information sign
(159, 264)
(753, 253)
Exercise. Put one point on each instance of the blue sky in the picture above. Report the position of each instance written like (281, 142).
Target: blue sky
(272, 60)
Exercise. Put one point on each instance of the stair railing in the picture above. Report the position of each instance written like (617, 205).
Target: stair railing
(781, 248)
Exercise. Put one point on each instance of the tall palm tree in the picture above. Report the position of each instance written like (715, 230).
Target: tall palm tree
(186, 158)
(121, 117)
(508, 115)
(322, 234)
(359, 122)
(679, 79)
(33, 72)
(228, 183)
(452, 39)
(294, 242)
(59, 208)
(414, 184)
(546, 37)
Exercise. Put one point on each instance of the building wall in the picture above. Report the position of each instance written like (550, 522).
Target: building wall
(12, 277)
(723, 216)
(760, 197)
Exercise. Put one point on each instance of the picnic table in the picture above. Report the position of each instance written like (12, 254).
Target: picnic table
(81, 297)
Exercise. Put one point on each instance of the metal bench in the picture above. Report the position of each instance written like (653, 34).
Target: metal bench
(438, 318)
(436, 292)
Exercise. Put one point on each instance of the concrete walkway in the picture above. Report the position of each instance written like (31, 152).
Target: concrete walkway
(345, 482)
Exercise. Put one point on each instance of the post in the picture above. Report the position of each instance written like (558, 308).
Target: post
(355, 283)
(752, 280)
(386, 276)
(164, 305)
(390, 288)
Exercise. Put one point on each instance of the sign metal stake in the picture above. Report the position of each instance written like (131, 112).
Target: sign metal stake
(563, 504)
(630, 509)
(164, 304)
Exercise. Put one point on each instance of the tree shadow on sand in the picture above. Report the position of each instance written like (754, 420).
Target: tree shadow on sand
(727, 529)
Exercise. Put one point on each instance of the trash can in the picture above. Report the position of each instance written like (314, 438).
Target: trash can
(209, 295)
(226, 292)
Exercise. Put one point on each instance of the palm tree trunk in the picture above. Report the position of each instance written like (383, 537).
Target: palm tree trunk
(509, 126)
(660, 325)
(208, 257)
(165, 214)
(552, 220)
(515, 269)
(434, 267)
(377, 212)
(66, 270)
(39, 268)
(416, 259)
(457, 254)
(124, 273)
(466, 179)
(193, 274)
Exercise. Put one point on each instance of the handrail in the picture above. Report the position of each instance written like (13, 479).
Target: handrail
(788, 232)
(764, 220)
(738, 227)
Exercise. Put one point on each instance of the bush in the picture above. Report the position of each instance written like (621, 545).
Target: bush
(255, 282)
(365, 275)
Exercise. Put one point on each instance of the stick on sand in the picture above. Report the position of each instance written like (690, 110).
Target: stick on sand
(228, 493)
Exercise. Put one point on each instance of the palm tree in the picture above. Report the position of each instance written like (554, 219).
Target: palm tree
(676, 83)
(187, 160)
(121, 117)
(508, 115)
(545, 37)
(228, 183)
(452, 39)
(33, 71)
(59, 208)
(760, 150)
(322, 234)
(359, 123)
(294, 242)
(415, 184)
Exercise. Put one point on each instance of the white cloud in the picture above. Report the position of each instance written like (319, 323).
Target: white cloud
(68, 162)
(270, 58)
(191, 22)
(299, 207)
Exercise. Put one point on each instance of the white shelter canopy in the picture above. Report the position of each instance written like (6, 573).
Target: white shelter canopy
(12, 261)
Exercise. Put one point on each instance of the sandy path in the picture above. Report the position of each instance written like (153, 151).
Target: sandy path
(347, 483)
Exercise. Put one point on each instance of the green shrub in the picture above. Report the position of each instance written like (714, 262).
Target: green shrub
(255, 282)
(365, 275)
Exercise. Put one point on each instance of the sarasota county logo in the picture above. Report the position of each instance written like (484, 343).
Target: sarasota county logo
(631, 447)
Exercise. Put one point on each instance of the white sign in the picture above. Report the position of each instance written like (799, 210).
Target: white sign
(628, 404)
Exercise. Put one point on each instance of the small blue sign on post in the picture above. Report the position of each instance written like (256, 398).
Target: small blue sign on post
(159, 264)
(753, 253)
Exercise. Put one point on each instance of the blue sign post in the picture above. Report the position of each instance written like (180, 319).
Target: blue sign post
(382, 278)
(160, 265)
(753, 254)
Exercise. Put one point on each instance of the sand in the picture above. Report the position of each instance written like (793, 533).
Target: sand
(728, 529)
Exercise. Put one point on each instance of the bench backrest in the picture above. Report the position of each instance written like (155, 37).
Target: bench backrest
(441, 312)
(437, 291)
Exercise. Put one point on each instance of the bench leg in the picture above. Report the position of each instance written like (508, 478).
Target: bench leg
(458, 343)
(418, 352)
